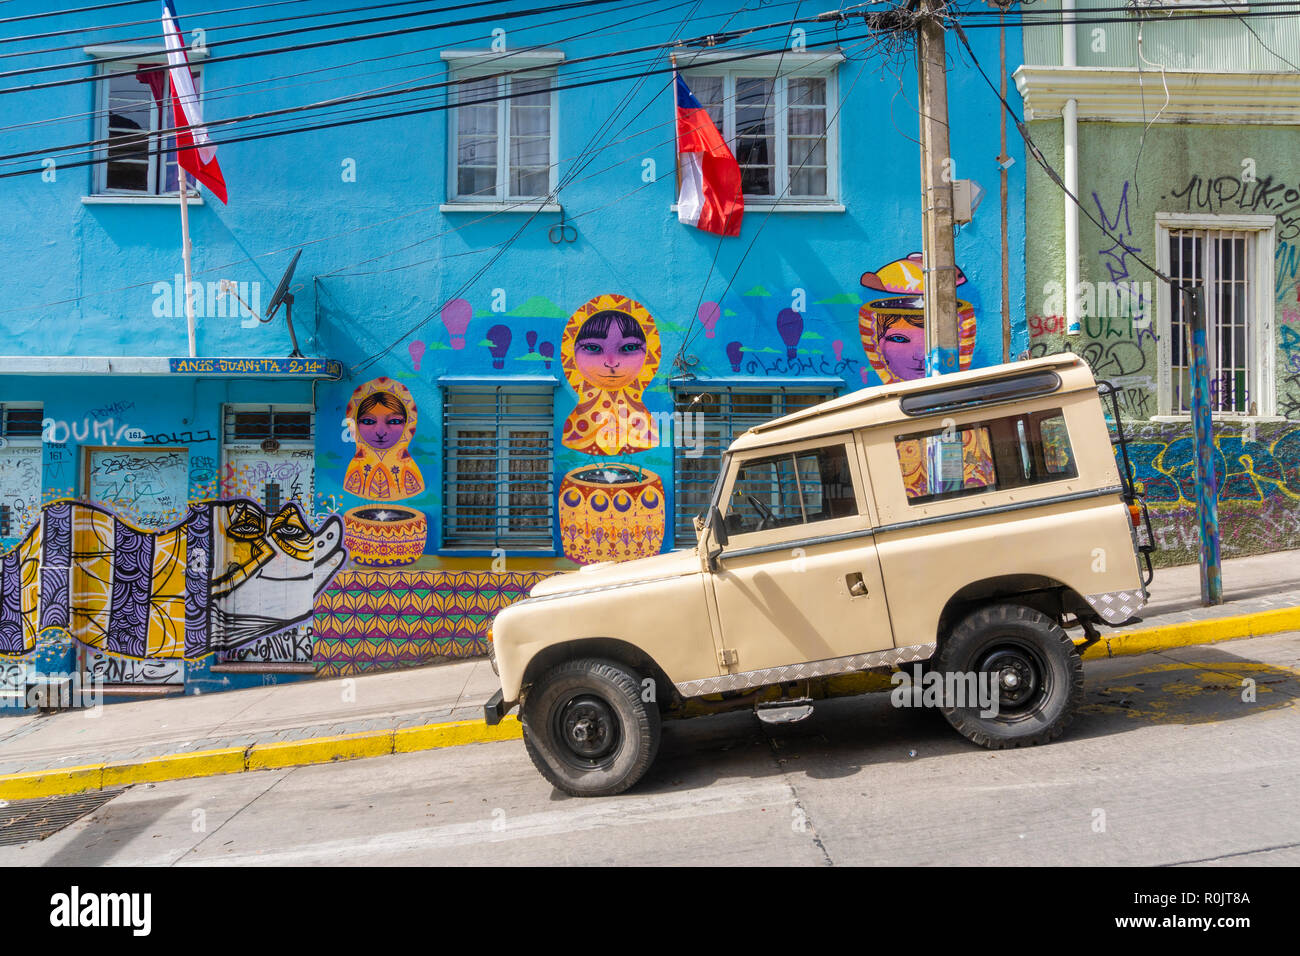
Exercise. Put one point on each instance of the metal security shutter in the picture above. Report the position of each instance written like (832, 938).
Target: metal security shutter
(498, 467)
(724, 414)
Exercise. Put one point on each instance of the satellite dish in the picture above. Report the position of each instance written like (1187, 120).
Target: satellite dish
(282, 295)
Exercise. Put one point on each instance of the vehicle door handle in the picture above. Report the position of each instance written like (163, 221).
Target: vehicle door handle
(857, 586)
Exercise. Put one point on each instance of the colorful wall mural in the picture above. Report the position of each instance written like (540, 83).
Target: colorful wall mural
(382, 417)
(374, 620)
(228, 574)
(1185, 170)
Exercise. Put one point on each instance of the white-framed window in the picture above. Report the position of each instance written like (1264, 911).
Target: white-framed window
(131, 106)
(498, 467)
(502, 131)
(20, 468)
(1231, 257)
(268, 454)
(721, 413)
(778, 115)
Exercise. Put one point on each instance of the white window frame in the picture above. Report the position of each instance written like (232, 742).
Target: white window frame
(1261, 320)
(100, 192)
(472, 64)
(780, 67)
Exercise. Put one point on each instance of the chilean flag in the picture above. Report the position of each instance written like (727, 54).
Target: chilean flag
(710, 197)
(194, 150)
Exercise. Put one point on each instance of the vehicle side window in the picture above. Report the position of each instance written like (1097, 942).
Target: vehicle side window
(978, 457)
(793, 488)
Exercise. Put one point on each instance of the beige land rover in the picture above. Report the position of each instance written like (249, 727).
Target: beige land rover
(966, 521)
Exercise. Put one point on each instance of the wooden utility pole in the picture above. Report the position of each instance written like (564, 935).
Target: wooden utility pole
(937, 174)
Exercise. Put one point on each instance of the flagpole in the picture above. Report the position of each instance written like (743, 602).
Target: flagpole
(182, 176)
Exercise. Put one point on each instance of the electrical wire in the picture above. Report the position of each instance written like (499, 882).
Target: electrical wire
(1033, 150)
(208, 97)
(316, 44)
(144, 137)
(207, 27)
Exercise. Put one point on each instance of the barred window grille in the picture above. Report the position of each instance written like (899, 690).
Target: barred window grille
(248, 423)
(20, 466)
(498, 466)
(21, 420)
(1220, 261)
(720, 414)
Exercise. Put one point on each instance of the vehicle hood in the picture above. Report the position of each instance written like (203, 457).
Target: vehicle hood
(672, 564)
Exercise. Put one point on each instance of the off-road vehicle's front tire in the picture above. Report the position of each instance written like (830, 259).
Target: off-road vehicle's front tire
(587, 729)
(1028, 662)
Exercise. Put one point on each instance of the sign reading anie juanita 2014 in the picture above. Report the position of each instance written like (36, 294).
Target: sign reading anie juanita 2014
(312, 368)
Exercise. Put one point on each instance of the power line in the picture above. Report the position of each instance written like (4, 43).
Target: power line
(257, 88)
(154, 35)
(316, 44)
(136, 23)
(302, 243)
(745, 255)
(1034, 151)
(340, 101)
(316, 28)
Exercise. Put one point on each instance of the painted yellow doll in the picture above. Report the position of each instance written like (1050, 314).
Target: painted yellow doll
(383, 418)
(610, 352)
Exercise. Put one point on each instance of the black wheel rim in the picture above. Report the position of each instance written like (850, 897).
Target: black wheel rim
(587, 732)
(1020, 676)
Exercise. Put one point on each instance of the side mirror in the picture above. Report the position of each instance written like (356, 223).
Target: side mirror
(719, 525)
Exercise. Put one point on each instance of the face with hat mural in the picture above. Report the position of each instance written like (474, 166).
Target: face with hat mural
(893, 327)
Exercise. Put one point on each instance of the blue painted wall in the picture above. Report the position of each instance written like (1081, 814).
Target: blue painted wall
(380, 258)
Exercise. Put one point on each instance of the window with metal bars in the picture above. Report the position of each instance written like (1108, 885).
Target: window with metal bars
(249, 423)
(20, 467)
(498, 467)
(720, 414)
(1225, 264)
(21, 420)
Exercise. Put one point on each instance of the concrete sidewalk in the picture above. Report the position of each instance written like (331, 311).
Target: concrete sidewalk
(441, 705)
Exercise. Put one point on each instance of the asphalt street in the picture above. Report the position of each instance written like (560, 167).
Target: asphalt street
(1190, 756)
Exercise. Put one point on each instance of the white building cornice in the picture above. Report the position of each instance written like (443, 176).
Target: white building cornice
(1118, 95)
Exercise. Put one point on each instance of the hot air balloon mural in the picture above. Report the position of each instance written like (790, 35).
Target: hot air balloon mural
(735, 355)
(708, 314)
(789, 325)
(416, 349)
(498, 343)
(455, 316)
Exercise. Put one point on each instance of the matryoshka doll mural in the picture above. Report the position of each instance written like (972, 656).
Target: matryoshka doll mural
(383, 418)
(612, 510)
(893, 336)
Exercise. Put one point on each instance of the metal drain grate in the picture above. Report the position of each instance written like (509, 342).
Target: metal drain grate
(25, 820)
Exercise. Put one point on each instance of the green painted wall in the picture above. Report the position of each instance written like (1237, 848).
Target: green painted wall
(1125, 180)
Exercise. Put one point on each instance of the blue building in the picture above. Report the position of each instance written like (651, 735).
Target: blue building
(513, 357)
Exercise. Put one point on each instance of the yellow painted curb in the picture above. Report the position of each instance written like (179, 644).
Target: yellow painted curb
(200, 763)
(1210, 631)
(296, 753)
(319, 750)
(434, 736)
(50, 783)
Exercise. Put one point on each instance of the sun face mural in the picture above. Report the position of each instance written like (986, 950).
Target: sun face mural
(893, 329)
(228, 574)
(611, 512)
(383, 417)
(610, 353)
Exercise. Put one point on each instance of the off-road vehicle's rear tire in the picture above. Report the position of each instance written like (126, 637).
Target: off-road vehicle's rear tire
(587, 730)
(1033, 669)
